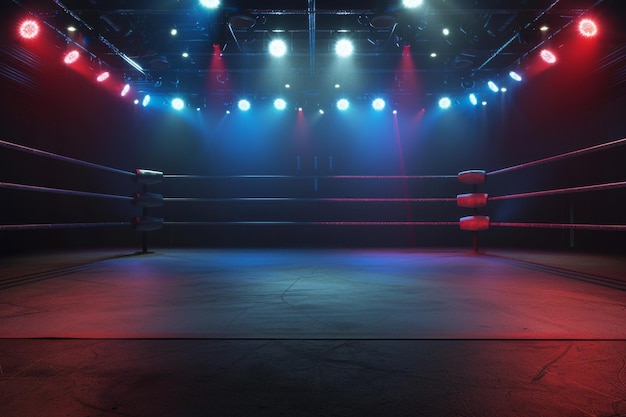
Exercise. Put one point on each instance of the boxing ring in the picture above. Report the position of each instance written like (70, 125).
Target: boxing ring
(475, 202)
(277, 331)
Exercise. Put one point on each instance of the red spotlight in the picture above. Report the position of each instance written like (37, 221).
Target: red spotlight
(587, 28)
(71, 57)
(29, 29)
(103, 76)
(548, 56)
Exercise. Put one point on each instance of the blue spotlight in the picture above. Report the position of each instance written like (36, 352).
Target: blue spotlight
(515, 76)
(146, 100)
(344, 48)
(445, 103)
(492, 86)
(280, 104)
(244, 105)
(411, 4)
(343, 104)
(210, 4)
(473, 99)
(178, 104)
(278, 48)
(378, 104)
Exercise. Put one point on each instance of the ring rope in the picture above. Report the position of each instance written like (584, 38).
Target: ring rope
(336, 177)
(312, 223)
(61, 157)
(40, 226)
(578, 152)
(25, 187)
(595, 187)
(308, 199)
(578, 226)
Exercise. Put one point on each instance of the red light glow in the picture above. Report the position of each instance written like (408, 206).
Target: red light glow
(103, 76)
(587, 28)
(71, 57)
(548, 56)
(29, 29)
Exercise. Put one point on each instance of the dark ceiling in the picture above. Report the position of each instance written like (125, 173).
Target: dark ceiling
(393, 45)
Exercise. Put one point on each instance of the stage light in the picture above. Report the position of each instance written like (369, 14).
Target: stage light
(445, 103)
(547, 56)
(445, 31)
(492, 86)
(280, 104)
(344, 48)
(243, 105)
(178, 104)
(278, 48)
(343, 104)
(321, 111)
(503, 90)
(71, 29)
(544, 28)
(125, 90)
(71, 57)
(210, 4)
(411, 4)
(484, 103)
(185, 54)
(378, 104)
(29, 29)
(103, 76)
(395, 111)
(473, 99)
(587, 28)
(174, 32)
(146, 100)
(433, 54)
(515, 76)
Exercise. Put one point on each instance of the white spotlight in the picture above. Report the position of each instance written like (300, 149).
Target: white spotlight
(515, 76)
(445, 102)
(411, 4)
(146, 100)
(244, 105)
(492, 86)
(280, 104)
(278, 48)
(378, 104)
(344, 48)
(473, 99)
(178, 104)
(210, 4)
(343, 104)
(125, 90)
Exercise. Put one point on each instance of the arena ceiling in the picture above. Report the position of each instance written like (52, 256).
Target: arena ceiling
(397, 50)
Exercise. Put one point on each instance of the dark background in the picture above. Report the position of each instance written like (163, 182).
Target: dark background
(575, 104)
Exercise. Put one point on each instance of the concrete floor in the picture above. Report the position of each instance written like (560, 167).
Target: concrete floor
(241, 332)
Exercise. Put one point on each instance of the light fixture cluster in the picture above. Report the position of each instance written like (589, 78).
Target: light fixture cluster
(586, 28)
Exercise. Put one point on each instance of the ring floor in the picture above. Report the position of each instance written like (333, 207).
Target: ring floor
(272, 332)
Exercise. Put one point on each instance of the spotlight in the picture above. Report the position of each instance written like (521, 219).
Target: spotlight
(103, 76)
(473, 99)
(503, 90)
(587, 28)
(71, 57)
(445, 103)
(178, 104)
(280, 104)
(321, 111)
(411, 4)
(29, 29)
(492, 86)
(210, 4)
(378, 104)
(146, 100)
(243, 105)
(548, 56)
(174, 32)
(278, 48)
(343, 104)
(515, 76)
(125, 90)
(344, 48)
(445, 31)
(395, 111)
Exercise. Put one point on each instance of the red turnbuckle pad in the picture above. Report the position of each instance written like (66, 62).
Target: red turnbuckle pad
(472, 200)
(474, 223)
(473, 176)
